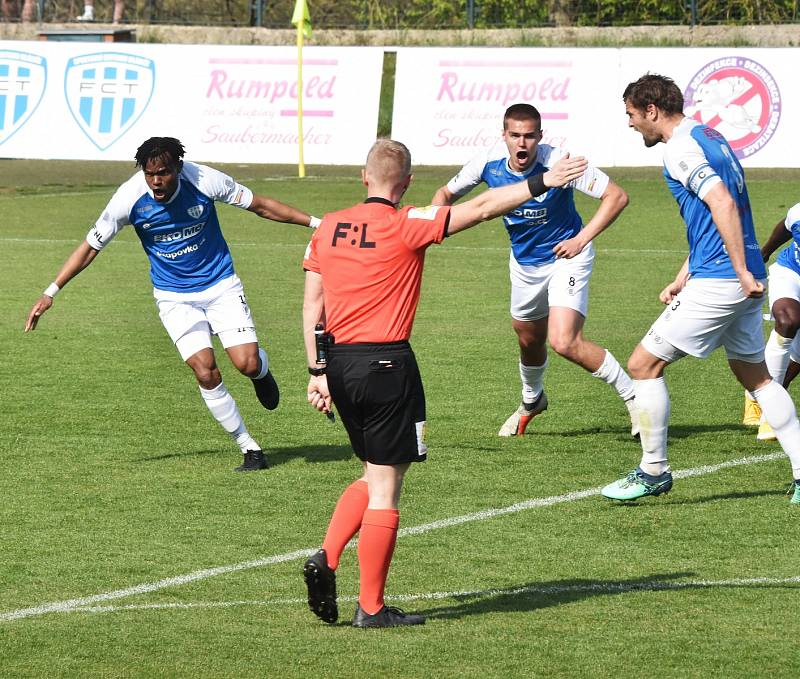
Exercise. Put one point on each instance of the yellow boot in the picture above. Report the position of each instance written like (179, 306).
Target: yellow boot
(752, 412)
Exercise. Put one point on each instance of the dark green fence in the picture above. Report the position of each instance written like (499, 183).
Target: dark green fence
(429, 14)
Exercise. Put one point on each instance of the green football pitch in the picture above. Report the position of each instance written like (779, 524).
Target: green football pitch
(130, 548)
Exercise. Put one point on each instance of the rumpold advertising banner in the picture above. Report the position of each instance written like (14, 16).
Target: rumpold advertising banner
(225, 103)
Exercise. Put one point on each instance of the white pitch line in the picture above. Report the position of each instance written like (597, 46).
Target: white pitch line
(177, 581)
(549, 590)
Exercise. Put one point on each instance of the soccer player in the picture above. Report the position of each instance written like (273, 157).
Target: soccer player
(784, 304)
(715, 300)
(170, 203)
(363, 273)
(551, 259)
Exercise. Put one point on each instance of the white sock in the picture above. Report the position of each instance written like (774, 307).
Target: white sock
(611, 372)
(776, 355)
(532, 377)
(780, 413)
(88, 11)
(247, 442)
(652, 401)
(263, 364)
(225, 411)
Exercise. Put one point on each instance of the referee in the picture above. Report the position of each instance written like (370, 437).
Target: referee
(363, 274)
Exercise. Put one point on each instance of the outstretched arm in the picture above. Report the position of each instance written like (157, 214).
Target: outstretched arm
(612, 202)
(81, 257)
(269, 208)
(498, 201)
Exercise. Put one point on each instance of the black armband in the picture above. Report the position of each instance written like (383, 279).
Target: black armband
(536, 185)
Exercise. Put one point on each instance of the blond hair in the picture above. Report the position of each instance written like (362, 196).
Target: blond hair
(388, 162)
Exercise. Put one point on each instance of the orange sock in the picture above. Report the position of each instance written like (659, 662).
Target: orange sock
(345, 521)
(375, 549)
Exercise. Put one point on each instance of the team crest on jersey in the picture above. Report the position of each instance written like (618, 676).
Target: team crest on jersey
(195, 211)
(23, 78)
(107, 93)
(739, 98)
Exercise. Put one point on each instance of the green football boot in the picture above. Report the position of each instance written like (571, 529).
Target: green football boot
(638, 484)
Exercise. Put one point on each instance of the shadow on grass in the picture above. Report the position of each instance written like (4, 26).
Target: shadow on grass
(275, 456)
(535, 595)
(675, 431)
(677, 500)
(739, 495)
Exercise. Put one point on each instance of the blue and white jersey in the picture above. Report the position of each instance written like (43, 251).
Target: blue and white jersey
(790, 255)
(537, 226)
(696, 159)
(182, 237)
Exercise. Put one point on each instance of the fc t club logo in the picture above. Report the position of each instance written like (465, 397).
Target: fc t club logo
(23, 78)
(739, 98)
(107, 92)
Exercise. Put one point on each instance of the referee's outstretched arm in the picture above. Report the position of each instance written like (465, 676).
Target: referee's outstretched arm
(498, 201)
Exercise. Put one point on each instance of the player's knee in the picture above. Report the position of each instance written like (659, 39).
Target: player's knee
(208, 378)
(248, 366)
(636, 367)
(786, 312)
(787, 324)
(566, 346)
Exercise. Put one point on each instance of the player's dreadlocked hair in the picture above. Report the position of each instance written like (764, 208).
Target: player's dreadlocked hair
(658, 90)
(159, 147)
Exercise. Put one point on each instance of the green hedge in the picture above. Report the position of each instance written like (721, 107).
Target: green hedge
(441, 14)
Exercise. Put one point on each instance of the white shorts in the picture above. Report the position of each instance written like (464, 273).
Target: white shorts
(190, 318)
(783, 282)
(564, 283)
(706, 314)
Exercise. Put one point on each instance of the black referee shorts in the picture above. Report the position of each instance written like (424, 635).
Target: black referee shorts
(378, 392)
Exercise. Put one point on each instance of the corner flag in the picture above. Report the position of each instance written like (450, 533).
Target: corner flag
(302, 20)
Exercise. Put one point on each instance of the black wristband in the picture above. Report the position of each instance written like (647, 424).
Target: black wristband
(316, 372)
(536, 185)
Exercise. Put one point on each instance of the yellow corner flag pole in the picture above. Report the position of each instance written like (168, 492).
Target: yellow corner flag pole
(302, 20)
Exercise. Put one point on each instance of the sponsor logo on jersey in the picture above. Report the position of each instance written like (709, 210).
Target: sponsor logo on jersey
(144, 209)
(739, 99)
(195, 211)
(23, 78)
(107, 92)
(179, 253)
(182, 234)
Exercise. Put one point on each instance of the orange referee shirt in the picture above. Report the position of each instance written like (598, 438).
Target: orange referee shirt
(370, 257)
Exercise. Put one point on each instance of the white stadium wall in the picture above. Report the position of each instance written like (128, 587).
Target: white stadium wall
(98, 101)
(449, 102)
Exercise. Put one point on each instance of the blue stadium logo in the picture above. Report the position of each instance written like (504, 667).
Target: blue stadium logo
(23, 78)
(107, 93)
